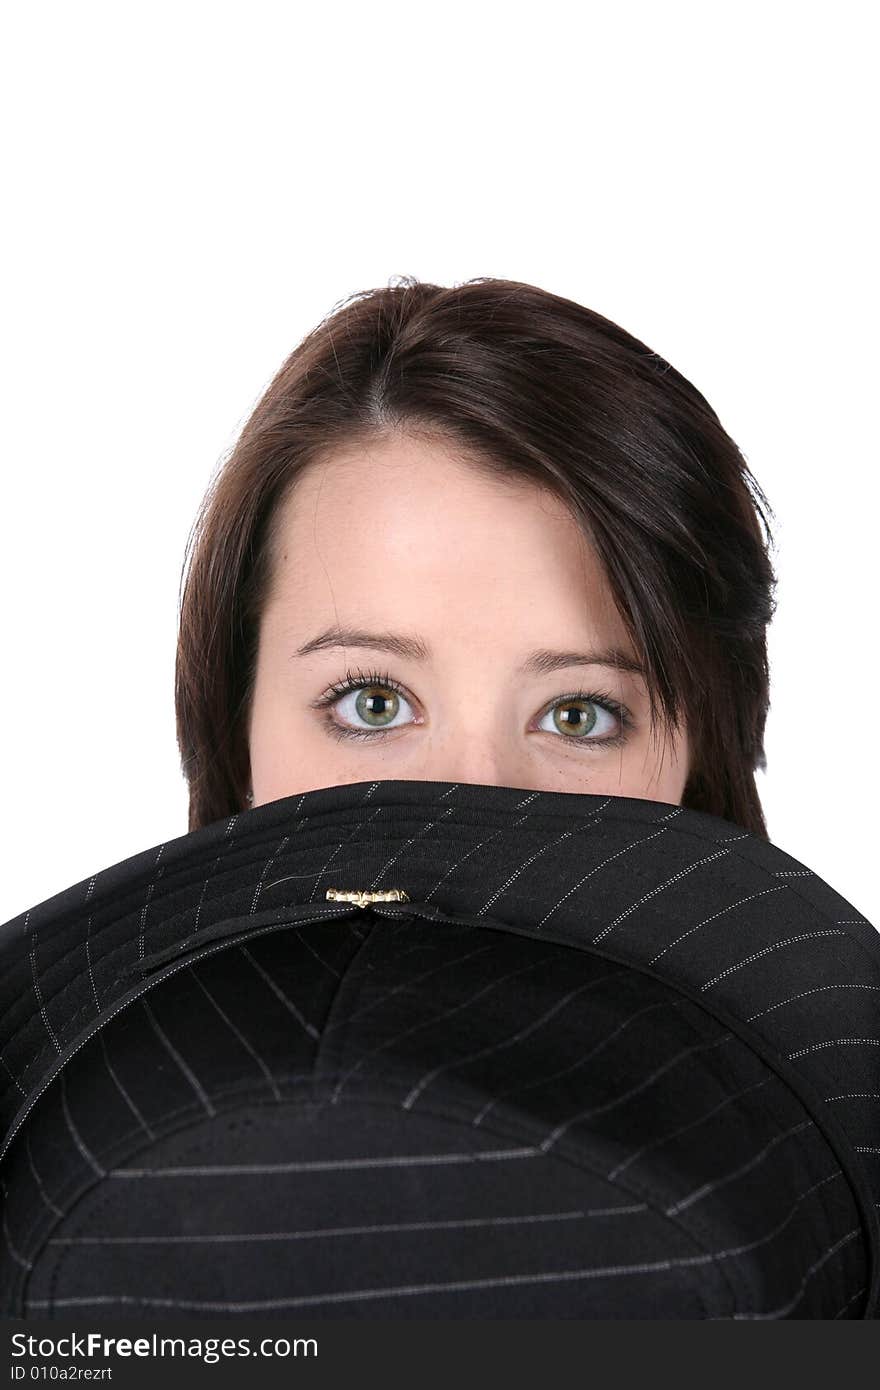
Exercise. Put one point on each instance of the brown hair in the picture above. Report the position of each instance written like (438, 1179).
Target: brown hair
(528, 385)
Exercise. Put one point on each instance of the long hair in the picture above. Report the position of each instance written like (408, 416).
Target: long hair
(529, 385)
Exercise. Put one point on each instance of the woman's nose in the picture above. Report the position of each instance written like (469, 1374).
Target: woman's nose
(472, 760)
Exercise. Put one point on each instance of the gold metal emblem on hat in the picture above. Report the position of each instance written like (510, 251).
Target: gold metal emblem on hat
(362, 898)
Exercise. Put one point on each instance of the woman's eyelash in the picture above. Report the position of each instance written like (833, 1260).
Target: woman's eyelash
(356, 680)
(353, 681)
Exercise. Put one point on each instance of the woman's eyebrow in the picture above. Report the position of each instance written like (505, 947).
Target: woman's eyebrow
(414, 648)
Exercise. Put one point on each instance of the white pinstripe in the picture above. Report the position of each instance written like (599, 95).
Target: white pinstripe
(74, 1132)
(308, 1028)
(592, 1110)
(44, 1016)
(731, 907)
(784, 1309)
(776, 946)
(516, 1037)
(267, 1071)
(683, 1129)
(121, 1089)
(804, 994)
(147, 904)
(88, 950)
(703, 1191)
(47, 1200)
(172, 1052)
(406, 985)
(321, 1165)
(660, 888)
(285, 840)
(326, 1232)
(542, 1081)
(433, 1020)
(835, 1042)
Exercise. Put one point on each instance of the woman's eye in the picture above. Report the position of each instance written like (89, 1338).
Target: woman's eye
(582, 718)
(376, 705)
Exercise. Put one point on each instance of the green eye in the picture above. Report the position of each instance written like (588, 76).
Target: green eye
(581, 721)
(376, 707)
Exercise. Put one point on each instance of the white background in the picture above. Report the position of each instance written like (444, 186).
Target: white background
(188, 188)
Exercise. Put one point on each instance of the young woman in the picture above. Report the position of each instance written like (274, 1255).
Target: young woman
(478, 534)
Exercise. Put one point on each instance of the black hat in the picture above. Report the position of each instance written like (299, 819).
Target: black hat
(405, 1049)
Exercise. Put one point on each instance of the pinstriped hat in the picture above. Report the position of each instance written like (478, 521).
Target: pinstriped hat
(409, 1049)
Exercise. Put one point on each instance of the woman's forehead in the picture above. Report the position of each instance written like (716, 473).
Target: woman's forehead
(415, 505)
(404, 537)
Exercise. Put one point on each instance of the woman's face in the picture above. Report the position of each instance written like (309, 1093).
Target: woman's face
(486, 610)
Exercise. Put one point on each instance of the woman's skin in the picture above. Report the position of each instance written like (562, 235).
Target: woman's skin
(405, 537)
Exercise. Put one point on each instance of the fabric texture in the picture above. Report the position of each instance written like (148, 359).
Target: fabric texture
(612, 1059)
